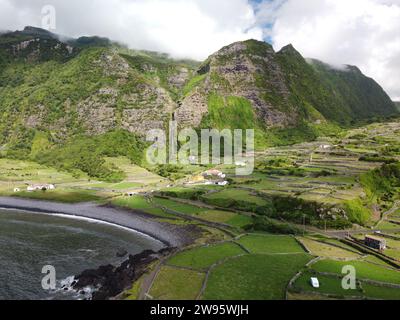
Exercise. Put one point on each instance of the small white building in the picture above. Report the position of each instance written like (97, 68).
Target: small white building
(40, 187)
(325, 147)
(315, 283)
(214, 173)
(223, 183)
(240, 163)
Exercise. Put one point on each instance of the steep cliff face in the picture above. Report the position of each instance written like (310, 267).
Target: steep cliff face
(283, 89)
(34, 45)
(353, 95)
(51, 86)
(248, 70)
(90, 86)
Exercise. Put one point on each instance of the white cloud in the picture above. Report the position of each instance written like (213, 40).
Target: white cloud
(365, 33)
(183, 28)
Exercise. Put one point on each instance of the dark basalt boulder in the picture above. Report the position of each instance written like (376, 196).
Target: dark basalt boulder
(121, 253)
(109, 281)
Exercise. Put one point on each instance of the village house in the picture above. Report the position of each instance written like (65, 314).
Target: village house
(215, 177)
(40, 187)
(240, 163)
(223, 183)
(375, 243)
(214, 174)
(325, 146)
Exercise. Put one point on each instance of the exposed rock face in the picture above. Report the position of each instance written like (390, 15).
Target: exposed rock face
(38, 49)
(237, 71)
(144, 105)
(284, 89)
(192, 109)
(97, 115)
(130, 102)
(179, 79)
(114, 65)
(87, 86)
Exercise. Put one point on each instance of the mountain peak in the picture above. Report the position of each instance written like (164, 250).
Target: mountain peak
(35, 31)
(251, 46)
(290, 50)
(258, 47)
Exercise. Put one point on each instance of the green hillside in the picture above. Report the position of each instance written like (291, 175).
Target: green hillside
(397, 104)
(285, 97)
(57, 97)
(358, 95)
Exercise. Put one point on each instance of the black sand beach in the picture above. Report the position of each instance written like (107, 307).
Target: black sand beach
(170, 235)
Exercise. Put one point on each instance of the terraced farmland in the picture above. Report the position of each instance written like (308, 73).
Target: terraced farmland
(273, 261)
(373, 281)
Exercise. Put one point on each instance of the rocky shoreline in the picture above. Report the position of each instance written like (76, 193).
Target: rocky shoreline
(109, 281)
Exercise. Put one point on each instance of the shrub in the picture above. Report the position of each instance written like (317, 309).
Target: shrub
(356, 212)
(87, 154)
(380, 184)
(267, 225)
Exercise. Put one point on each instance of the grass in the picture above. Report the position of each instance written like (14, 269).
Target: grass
(328, 251)
(240, 221)
(336, 243)
(174, 284)
(357, 212)
(136, 202)
(260, 244)
(230, 112)
(140, 203)
(333, 286)
(193, 83)
(15, 172)
(226, 217)
(177, 206)
(211, 236)
(386, 225)
(394, 253)
(237, 199)
(217, 216)
(135, 175)
(328, 285)
(59, 196)
(239, 195)
(376, 260)
(364, 270)
(126, 185)
(254, 277)
(205, 257)
(384, 293)
(133, 293)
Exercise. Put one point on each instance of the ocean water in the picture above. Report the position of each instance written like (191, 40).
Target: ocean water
(30, 241)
